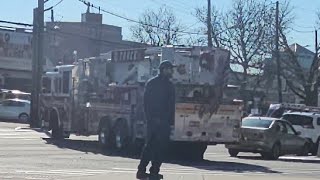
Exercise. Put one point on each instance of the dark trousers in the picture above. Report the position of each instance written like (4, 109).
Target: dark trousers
(155, 149)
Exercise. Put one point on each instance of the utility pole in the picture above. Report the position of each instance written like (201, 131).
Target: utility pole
(316, 72)
(37, 62)
(34, 67)
(316, 45)
(209, 24)
(277, 54)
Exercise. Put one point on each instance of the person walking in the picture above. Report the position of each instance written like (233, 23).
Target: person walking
(159, 108)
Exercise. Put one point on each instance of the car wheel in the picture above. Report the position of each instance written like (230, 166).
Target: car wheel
(233, 152)
(315, 147)
(275, 152)
(304, 150)
(23, 117)
(264, 155)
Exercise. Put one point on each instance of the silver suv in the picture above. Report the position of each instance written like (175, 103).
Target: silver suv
(308, 123)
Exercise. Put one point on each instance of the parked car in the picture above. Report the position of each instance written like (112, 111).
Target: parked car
(308, 123)
(14, 94)
(15, 109)
(271, 137)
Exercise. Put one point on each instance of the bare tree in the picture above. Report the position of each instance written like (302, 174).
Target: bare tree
(157, 28)
(248, 35)
(246, 31)
(216, 18)
(303, 81)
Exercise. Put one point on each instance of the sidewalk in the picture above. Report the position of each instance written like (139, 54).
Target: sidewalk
(131, 176)
(304, 159)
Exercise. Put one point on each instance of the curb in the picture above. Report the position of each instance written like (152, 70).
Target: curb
(303, 159)
(29, 128)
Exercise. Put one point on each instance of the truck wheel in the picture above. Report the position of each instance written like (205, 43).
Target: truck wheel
(233, 152)
(57, 132)
(104, 136)
(121, 136)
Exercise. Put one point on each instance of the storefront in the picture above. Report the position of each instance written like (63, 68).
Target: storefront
(15, 60)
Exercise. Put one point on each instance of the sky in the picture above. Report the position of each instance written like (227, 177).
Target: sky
(70, 11)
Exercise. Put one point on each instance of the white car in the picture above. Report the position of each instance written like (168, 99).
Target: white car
(15, 109)
(308, 123)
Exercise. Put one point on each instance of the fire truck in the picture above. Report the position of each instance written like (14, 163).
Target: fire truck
(104, 96)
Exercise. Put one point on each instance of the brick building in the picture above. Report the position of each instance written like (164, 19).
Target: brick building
(63, 42)
(66, 41)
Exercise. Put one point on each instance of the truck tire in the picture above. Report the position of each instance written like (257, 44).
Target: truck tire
(104, 136)
(57, 132)
(121, 136)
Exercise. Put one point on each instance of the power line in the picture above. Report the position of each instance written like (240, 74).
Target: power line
(135, 21)
(305, 27)
(54, 5)
(57, 3)
(299, 31)
(16, 23)
(67, 33)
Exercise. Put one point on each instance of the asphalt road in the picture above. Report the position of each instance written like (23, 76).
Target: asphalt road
(31, 154)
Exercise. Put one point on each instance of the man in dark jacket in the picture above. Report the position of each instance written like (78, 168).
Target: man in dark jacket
(159, 107)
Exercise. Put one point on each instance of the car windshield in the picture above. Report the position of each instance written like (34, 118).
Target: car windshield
(260, 123)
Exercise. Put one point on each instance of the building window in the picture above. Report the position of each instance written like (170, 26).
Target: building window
(66, 82)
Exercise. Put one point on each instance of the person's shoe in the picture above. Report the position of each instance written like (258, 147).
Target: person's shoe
(142, 175)
(156, 176)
